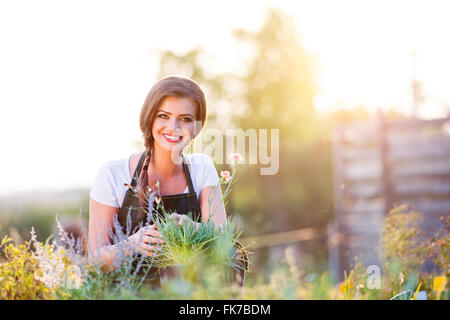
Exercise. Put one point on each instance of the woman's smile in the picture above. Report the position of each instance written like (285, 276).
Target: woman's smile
(172, 139)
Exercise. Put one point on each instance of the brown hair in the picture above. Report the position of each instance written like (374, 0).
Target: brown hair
(169, 86)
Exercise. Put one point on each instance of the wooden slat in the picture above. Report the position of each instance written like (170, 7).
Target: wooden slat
(363, 170)
(363, 190)
(402, 139)
(364, 223)
(415, 124)
(436, 167)
(350, 153)
(361, 133)
(430, 187)
(431, 206)
(364, 239)
(364, 205)
(419, 150)
(356, 212)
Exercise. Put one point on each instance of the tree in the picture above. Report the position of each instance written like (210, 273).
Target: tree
(280, 88)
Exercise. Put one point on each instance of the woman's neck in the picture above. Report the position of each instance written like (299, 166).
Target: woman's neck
(162, 165)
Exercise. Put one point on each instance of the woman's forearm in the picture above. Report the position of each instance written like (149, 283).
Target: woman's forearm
(109, 256)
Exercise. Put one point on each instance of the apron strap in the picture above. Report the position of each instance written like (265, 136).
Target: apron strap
(138, 170)
(188, 176)
(185, 167)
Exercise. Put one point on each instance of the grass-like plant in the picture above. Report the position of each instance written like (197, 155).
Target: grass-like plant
(189, 245)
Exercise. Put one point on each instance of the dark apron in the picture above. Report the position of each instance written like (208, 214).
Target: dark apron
(132, 217)
(182, 203)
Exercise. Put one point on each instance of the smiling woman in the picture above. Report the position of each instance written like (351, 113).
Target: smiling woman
(186, 183)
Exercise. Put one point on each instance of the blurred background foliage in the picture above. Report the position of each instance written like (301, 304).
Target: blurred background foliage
(17, 221)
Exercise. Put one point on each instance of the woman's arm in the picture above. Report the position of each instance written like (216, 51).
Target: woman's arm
(102, 252)
(212, 206)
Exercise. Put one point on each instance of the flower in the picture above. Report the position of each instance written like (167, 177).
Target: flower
(226, 175)
(51, 262)
(130, 187)
(235, 157)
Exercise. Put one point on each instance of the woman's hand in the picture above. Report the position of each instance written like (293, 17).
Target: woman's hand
(146, 241)
(180, 218)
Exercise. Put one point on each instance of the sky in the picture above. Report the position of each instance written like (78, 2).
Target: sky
(74, 74)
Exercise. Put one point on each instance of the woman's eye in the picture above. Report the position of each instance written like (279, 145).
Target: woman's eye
(165, 116)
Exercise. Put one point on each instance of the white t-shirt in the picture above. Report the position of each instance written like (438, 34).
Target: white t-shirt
(108, 187)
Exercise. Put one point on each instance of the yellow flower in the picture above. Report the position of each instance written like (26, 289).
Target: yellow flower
(439, 283)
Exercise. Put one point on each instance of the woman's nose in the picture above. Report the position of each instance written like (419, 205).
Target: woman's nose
(173, 124)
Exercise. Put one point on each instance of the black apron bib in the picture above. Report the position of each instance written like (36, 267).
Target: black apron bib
(131, 217)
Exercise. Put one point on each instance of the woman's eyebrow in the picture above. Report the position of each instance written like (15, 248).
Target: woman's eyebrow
(184, 114)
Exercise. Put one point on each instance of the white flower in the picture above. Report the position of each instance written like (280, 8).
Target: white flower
(226, 175)
(235, 157)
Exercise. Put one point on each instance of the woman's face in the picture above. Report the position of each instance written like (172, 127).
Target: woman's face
(173, 126)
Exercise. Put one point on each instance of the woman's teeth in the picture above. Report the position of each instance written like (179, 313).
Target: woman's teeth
(172, 138)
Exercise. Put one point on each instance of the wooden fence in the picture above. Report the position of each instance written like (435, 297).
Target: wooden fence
(376, 165)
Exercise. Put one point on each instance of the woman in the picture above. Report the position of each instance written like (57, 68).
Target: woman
(186, 183)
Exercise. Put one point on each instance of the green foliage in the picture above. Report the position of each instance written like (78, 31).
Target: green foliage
(40, 217)
(280, 81)
(17, 275)
(279, 90)
(402, 239)
(440, 247)
(403, 248)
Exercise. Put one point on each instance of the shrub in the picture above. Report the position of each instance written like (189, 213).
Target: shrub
(17, 275)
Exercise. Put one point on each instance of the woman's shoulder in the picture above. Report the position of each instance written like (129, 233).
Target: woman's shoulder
(203, 170)
(115, 170)
(108, 187)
